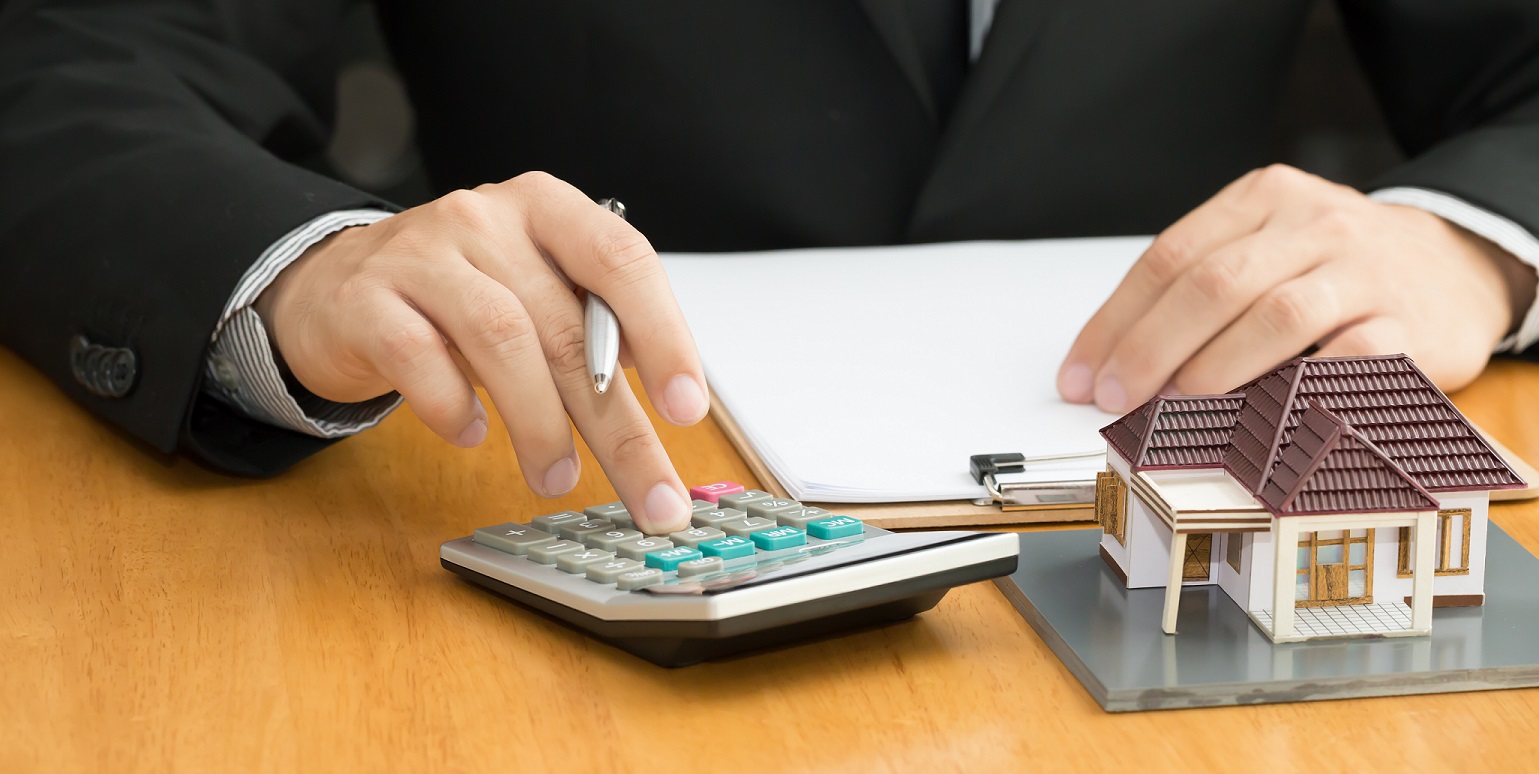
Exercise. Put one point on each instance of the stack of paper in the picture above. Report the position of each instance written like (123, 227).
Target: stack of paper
(872, 374)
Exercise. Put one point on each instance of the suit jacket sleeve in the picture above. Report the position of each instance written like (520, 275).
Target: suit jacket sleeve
(144, 165)
(1459, 84)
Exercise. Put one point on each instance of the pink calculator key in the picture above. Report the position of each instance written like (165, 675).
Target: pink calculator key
(712, 493)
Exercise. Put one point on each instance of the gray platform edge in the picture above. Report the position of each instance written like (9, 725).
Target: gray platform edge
(1272, 692)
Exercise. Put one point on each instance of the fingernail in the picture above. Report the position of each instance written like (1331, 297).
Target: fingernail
(666, 511)
(1110, 395)
(561, 478)
(1076, 383)
(473, 434)
(684, 400)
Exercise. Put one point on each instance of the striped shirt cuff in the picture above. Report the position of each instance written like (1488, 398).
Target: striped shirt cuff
(1500, 231)
(241, 369)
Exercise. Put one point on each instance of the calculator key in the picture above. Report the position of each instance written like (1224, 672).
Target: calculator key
(546, 554)
(608, 539)
(694, 537)
(705, 565)
(836, 527)
(727, 548)
(581, 529)
(553, 522)
(577, 563)
(638, 549)
(636, 579)
(745, 527)
(611, 512)
(668, 559)
(801, 516)
(711, 492)
(717, 518)
(742, 498)
(766, 509)
(701, 506)
(610, 571)
(778, 538)
(512, 538)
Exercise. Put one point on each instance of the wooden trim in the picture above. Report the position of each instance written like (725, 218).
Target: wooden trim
(1403, 564)
(1115, 568)
(1346, 541)
(1234, 547)
(1455, 600)
(1444, 548)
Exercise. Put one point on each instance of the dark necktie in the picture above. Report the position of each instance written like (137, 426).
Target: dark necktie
(940, 29)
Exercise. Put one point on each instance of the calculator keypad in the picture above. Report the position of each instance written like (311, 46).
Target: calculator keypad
(735, 532)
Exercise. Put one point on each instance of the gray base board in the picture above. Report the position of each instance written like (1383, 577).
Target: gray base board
(1110, 638)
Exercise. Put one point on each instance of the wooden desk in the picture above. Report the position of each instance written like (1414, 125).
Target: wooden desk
(157, 617)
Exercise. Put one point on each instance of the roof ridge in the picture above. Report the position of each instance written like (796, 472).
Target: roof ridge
(1349, 431)
(1273, 450)
(1156, 407)
(1328, 446)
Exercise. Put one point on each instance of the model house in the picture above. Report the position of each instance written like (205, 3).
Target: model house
(1331, 497)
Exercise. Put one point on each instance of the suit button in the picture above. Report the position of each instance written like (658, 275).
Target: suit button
(109, 372)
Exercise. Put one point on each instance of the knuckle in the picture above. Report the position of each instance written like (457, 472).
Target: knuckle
(633, 443)
(467, 208)
(1215, 280)
(1338, 222)
(405, 346)
(566, 350)
(623, 253)
(1165, 259)
(1279, 177)
(498, 319)
(1287, 309)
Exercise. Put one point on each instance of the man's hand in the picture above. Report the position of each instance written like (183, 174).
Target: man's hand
(473, 287)
(1280, 261)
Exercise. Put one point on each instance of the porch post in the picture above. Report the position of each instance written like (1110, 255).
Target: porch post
(1173, 580)
(1422, 571)
(1284, 575)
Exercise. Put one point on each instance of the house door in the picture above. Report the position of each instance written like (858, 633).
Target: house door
(1335, 568)
(1199, 557)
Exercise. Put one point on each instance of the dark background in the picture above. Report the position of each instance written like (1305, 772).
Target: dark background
(1328, 122)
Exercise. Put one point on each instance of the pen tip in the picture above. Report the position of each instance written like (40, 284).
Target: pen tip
(600, 383)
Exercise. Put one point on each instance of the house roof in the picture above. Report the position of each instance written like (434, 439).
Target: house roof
(1387, 401)
(1180, 431)
(1331, 468)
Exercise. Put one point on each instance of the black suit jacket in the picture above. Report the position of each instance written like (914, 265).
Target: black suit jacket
(147, 146)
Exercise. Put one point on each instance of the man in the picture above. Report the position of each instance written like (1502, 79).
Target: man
(166, 262)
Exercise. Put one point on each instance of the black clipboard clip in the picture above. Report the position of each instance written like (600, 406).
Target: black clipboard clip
(1029, 495)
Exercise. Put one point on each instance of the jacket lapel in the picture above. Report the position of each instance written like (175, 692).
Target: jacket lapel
(1015, 28)
(892, 26)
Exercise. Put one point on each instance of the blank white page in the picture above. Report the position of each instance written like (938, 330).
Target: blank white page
(871, 374)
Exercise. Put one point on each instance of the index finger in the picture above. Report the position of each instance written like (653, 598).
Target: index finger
(601, 252)
(1228, 215)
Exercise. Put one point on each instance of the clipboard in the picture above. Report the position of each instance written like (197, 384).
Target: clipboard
(968, 513)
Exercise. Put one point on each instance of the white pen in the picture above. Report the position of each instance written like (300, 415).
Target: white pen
(601, 328)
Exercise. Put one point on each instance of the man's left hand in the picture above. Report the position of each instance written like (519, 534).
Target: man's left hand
(1281, 261)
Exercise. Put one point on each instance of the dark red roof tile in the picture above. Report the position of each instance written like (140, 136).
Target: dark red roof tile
(1175, 431)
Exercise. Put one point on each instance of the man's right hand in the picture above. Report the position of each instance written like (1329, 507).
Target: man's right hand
(473, 287)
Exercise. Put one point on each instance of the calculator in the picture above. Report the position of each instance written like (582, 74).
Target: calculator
(753, 571)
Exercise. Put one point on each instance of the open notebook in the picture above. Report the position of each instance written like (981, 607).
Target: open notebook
(870, 375)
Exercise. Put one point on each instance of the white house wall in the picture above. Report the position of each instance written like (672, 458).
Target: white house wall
(1386, 554)
(1117, 551)
(1259, 559)
(1149, 541)
(1235, 583)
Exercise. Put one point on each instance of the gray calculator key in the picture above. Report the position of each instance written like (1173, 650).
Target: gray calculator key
(578, 530)
(696, 536)
(742, 498)
(577, 562)
(611, 512)
(512, 538)
(745, 527)
(705, 565)
(700, 506)
(766, 509)
(635, 579)
(546, 554)
(609, 571)
(553, 522)
(801, 516)
(638, 549)
(608, 539)
(717, 518)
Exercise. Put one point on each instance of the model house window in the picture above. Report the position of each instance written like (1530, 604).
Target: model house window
(1334, 567)
(1453, 544)
(1111, 504)
(1234, 542)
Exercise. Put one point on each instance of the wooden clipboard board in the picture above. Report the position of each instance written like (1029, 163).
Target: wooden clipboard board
(963, 513)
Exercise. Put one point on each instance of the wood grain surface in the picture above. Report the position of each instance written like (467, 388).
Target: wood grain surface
(158, 617)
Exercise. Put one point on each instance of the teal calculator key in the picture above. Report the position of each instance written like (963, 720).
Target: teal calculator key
(836, 527)
(727, 548)
(737, 501)
(668, 559)
(778, 538)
